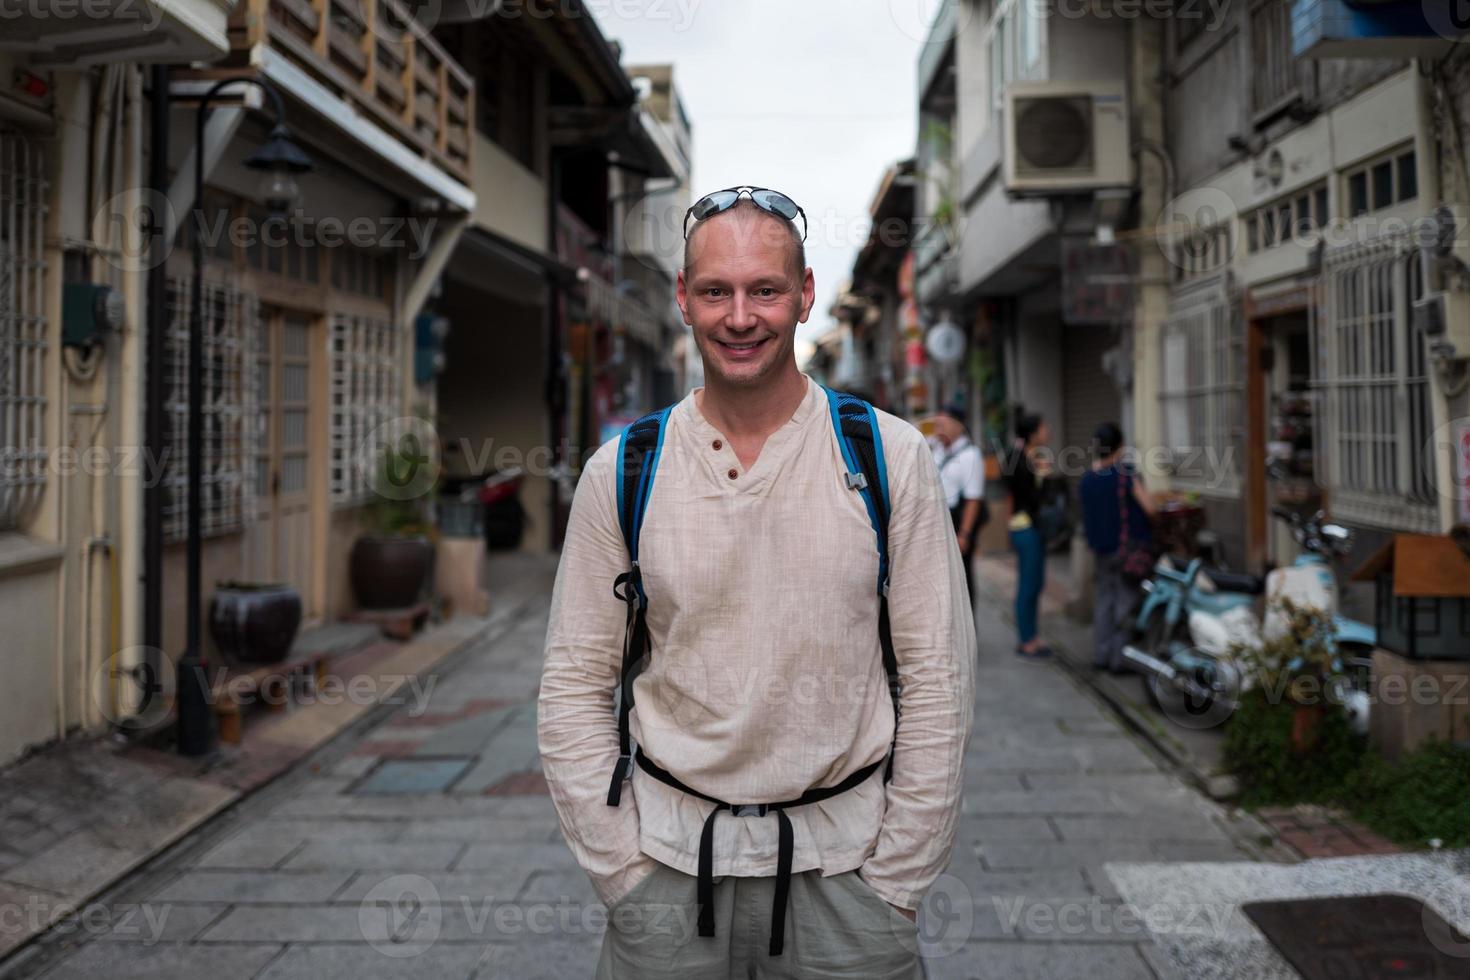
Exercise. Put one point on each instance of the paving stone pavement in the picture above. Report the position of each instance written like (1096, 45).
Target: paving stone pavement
(423, 844)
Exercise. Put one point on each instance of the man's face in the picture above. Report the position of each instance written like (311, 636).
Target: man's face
(743, 297)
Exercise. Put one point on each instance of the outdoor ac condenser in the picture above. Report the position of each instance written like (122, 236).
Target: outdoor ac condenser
(1066, 136)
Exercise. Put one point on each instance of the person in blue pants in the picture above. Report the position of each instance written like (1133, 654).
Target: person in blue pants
(1028, 467)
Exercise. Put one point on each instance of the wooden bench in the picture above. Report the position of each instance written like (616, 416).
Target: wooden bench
(397, 624)
(276, 684)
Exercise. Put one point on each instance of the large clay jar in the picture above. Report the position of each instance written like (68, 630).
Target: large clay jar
(254, 623)
(390, 572)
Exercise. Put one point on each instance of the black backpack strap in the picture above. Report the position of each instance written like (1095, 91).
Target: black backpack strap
(638, 453)
(856, 426)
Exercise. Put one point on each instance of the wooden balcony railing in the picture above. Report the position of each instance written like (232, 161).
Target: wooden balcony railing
(374, 54)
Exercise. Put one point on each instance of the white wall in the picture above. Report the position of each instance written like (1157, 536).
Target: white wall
(509, 199)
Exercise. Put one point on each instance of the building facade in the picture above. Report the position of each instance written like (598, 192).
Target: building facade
(448, 260)
(1260, 293)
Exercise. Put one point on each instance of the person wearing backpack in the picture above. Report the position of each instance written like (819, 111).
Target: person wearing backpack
(1116, 510)
(758, 682)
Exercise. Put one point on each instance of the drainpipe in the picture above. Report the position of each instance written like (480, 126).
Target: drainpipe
(153, 415)
(555, 382)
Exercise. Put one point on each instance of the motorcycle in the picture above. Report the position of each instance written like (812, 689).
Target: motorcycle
(1191, 621)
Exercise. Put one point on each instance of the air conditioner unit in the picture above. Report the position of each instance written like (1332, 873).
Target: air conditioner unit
(1066, 136)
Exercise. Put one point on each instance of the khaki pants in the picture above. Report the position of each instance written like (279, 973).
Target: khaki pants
(835, 927)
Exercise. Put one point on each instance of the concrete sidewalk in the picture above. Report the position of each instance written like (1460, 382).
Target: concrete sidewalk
(77, 818)
(425, 845)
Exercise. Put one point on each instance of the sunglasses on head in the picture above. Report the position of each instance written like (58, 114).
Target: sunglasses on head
(772, 202)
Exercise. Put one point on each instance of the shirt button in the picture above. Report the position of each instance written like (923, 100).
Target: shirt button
(733, 474)
(717, 444)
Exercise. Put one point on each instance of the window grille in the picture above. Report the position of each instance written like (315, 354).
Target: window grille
(231, 339)
(1372, 372)
(366, 382)
(23, 190)
(1202, 387)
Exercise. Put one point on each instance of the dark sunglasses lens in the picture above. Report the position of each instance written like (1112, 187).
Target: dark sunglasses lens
(777, 202)
(714, 203)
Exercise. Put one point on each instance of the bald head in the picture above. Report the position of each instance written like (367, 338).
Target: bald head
(753, 225)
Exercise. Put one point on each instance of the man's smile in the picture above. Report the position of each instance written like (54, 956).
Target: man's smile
(743, 348)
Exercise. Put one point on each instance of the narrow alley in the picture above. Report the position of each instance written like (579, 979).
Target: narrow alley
(422, 843)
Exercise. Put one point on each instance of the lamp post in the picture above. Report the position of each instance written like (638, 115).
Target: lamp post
(278, 161)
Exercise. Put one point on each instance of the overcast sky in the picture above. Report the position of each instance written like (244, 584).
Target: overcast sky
(814, 98)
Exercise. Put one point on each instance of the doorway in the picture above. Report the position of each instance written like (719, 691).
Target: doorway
(1281, 455)
(280, 548)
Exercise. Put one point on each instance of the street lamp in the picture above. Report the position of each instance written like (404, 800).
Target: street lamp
(278, 160)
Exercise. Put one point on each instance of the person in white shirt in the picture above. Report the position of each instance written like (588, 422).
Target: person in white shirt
(962, 473)
(761, 672)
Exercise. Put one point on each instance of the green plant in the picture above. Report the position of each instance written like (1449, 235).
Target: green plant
(1297, 664)
(1258, 751)
(390, 513)
(1425, 796)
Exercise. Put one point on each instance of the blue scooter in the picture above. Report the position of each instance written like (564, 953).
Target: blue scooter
(1190, 619)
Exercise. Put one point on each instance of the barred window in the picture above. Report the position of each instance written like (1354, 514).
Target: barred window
(23, 189)
(1202, 387)
(231, 335)
(1372, 372)
(366, 381)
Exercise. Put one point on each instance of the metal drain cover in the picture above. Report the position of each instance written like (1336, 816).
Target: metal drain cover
(1363, 937)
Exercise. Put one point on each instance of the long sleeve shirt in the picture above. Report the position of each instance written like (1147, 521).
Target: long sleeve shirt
(765, 676)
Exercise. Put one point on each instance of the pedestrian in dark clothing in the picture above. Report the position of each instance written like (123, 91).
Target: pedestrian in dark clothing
(1106, 509)
(1028, 467)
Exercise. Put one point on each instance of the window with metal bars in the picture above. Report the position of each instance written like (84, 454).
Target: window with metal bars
(1202, 385)
(23, 451)
(365, 386)
(231, 339)
(1375, 431)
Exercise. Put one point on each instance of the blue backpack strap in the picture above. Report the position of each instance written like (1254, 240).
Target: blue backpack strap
(856, 426)
(639, 449)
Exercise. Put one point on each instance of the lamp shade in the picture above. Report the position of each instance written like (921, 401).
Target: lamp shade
(280, 153)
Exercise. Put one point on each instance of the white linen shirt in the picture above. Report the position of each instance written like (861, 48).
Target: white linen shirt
(765, 677)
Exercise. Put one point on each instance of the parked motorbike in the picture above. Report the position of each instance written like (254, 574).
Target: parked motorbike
(1191, 621)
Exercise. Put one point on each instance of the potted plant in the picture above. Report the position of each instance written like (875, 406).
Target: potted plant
(1299, 665)
(253, 622)
(391, 562)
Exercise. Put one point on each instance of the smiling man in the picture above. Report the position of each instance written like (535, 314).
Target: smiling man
(759, 693)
